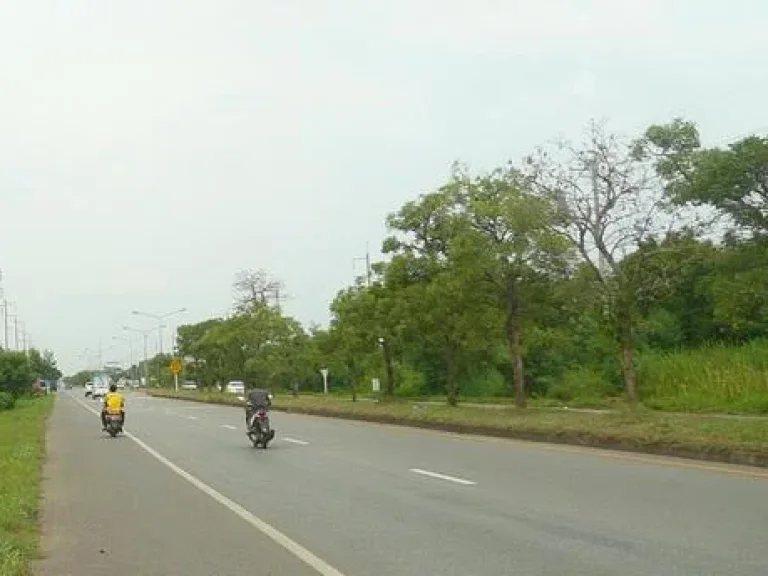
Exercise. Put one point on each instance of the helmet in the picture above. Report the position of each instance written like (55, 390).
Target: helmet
(112, 388)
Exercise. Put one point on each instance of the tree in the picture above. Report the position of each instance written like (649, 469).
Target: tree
(509, 247)
(256, 287)
(734, 180)
(188, 343)
(16, 374)
(43, 365)
(609, 202)
(448, 318)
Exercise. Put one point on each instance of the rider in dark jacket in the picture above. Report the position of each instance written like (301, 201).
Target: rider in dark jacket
(257, 398)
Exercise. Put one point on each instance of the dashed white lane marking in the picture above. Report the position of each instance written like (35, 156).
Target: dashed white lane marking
(191, 417)
(229, 427)
(443, 477)
(294, 441)
(315, 562)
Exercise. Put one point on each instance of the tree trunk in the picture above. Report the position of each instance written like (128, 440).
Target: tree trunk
(451, 384)
(628, 363)
(514, 341)
(390, 389)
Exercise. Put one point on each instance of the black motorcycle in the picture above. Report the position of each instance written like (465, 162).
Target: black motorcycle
(114, 424)
(259, 429)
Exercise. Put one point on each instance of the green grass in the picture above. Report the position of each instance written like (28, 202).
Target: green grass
(726, 379)
(742, 441)
(22, 440)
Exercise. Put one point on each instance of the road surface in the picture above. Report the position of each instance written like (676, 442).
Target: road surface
(186, 494)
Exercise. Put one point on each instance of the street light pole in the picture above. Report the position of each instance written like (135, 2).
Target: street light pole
(159, 318)
(145, 334)
(130, 349)
(6, 342)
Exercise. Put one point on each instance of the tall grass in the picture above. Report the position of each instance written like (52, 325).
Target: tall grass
(715, 378)
(22, 438)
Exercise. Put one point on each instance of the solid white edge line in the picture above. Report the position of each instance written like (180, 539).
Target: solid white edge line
(442, 477)
(294, 548)
(294, 441)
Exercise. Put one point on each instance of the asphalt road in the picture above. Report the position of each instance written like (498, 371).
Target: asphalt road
(192, 497)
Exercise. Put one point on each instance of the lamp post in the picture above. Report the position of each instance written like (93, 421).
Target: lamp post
(159, 318)
(130, 349)
(145, 333)
(160, 326)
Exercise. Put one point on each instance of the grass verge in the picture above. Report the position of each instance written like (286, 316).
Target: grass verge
(737, 441)
(22, 444)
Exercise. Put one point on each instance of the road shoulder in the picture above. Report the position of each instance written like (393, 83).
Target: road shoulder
(109, 507)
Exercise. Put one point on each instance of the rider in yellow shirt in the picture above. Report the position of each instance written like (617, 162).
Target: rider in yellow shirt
(114, 403)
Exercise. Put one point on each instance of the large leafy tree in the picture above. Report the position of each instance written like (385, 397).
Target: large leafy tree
(43, 365)
(733, 179)
(448, 315)
(610, 202)
(510, 250)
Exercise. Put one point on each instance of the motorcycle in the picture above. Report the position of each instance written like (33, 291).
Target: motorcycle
(114, 424)
(259, 430)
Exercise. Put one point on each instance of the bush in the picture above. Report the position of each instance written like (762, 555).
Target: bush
(7, 401)
(715, 378)
(15, 373)
(582, 385)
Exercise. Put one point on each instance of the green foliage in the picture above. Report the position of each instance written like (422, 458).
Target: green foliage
(734, 180)
(43, 365)
(16, 373)
(514, 283)
(7, 401)
(22, 436)
(713, 378)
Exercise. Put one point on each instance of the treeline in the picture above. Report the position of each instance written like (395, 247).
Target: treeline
(553, 277)
(19, 371)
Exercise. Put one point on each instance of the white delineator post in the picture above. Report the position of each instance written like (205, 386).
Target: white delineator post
(324, 372)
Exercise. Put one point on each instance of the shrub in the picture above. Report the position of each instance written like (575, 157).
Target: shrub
(7, 401)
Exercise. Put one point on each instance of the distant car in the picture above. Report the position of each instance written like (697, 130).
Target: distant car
(235, 387)
(88, 389)
(189, 385)
(99, 390)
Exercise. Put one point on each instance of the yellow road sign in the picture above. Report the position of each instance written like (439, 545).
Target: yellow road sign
(176, 366)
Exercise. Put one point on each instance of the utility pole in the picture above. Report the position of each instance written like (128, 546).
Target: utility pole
(24, 337)
(6, 340)
(367, 260)
(145, 334)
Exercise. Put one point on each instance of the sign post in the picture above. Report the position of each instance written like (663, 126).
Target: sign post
(324, 372)
(176, 368)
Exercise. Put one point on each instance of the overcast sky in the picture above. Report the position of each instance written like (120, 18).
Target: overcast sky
(151, 149)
